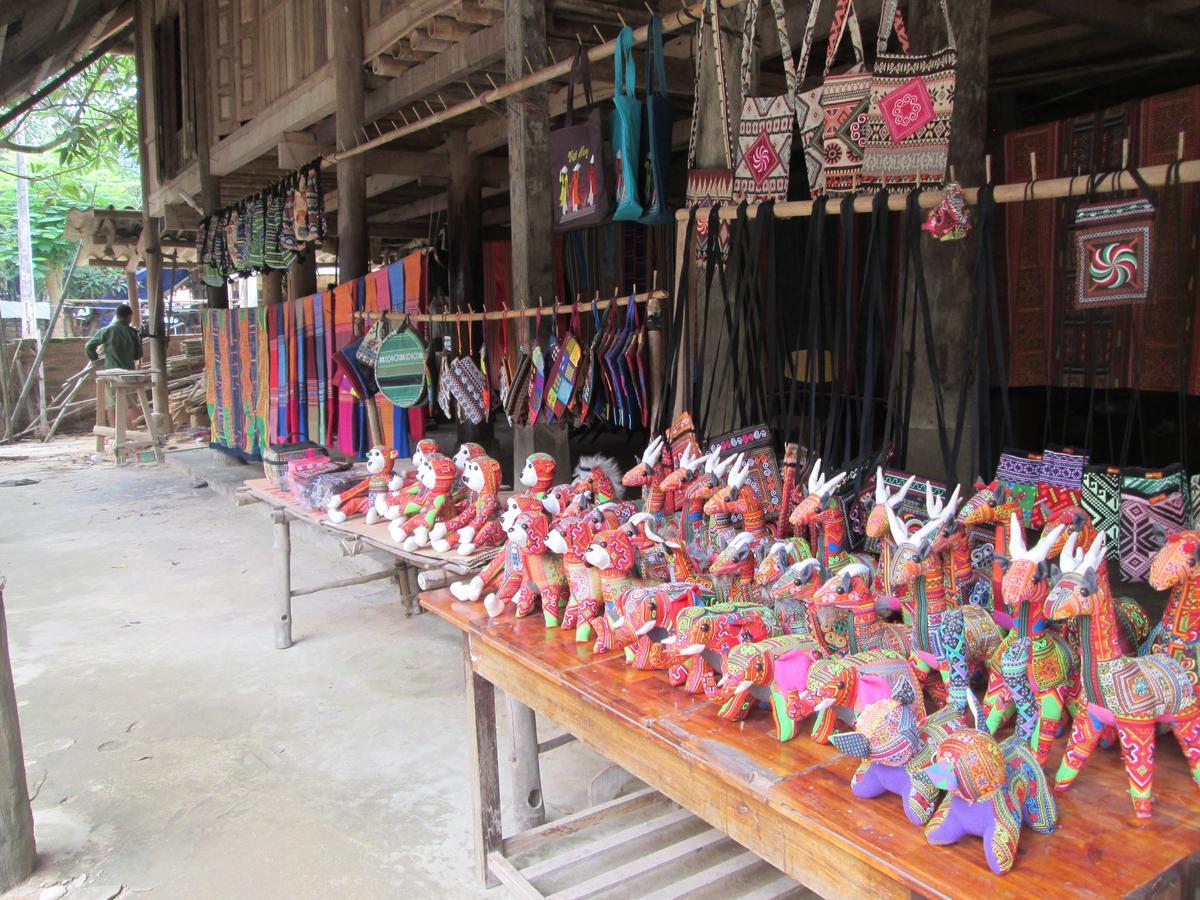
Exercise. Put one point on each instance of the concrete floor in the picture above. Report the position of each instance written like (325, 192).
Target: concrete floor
(173, 752)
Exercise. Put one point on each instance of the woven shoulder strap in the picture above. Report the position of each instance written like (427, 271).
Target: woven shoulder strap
(749, 33)
(709, 17)
(845, 17)
(890, 19)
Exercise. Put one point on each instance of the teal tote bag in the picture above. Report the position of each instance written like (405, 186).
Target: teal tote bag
(656, 133)
(626, 131)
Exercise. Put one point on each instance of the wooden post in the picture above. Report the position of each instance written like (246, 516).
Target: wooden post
(157, 329)
(131, 288)
(351, 173)
(282, 545)
(302, 275)
(530, 199)
(464, 223)
(17, 852)
(272, 291)
(485, 785)
(528, 803)
(210, 184)
(950, 265)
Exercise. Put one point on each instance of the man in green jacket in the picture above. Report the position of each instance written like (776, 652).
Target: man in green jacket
(120, 340)
(122, 349)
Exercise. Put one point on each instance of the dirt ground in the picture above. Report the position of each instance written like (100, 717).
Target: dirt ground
(173, 752)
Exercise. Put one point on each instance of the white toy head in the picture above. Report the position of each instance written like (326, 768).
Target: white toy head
(556, 542)
(377, 460)
(426, 475)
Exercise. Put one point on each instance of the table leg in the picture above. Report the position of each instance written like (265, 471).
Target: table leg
(407, 579)
(485, 785)
(122, 420)
(101, 412)
(528, 804)
(151, 427)
(283, 578)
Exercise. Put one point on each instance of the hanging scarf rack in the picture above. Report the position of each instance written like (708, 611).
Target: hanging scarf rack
(496, 316)
(1018, 192)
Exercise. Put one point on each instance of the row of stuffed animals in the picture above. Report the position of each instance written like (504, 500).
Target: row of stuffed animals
(695, 582)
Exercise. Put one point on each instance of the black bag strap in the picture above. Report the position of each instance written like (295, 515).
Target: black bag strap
(580, 69)
(656, 71)
(874, 300)
(921, 294)
(813, 260)
(838, 431)
(678, 330)
(1174, 184)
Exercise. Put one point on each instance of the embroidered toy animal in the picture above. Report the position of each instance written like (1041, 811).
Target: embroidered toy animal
(476, 526)
(434, 504)
(1176, 567)
(360, 499)
(704, 635)
(1135, 694)
(544, 577)
(896, 746)
(748, 677)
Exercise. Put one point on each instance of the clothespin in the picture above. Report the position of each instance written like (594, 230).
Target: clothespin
(428, 107)
(603, 39)
(553, 58)
(403, 116)
(529, 64)
(953, 174)
(654, 281)
(443, 102)
(987, 169)
(1124, 153)
(649, 9)
(1033, 165)
(491, 81)
(621, 18)
(1179, 147)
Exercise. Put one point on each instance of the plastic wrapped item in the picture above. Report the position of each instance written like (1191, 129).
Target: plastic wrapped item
(314, 490)
(277, 456)
(309, 467)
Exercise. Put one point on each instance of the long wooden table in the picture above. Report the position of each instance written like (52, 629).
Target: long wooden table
(356, 537)
(791, 802)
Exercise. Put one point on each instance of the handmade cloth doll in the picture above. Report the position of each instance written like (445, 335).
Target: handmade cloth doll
(544, 577)
(598, 478)
(361, 499)
(476, 526)
(538, 474)
(436, 476)
(502, 576)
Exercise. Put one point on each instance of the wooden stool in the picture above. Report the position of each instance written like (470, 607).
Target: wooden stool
(126, 384)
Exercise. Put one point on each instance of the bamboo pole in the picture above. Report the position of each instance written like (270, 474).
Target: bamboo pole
(17, 854)
(688, 15)
(1017, 192)
(529, 313)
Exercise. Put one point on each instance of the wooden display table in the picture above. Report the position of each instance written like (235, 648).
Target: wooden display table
(126, 385)
(356, 537)
(791, 802)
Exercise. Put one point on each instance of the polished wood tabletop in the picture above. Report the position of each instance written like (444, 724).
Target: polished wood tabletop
(791, 802)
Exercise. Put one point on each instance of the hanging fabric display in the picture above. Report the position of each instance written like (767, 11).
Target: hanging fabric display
(563, 375)
(1059, 484)
(656, 133)
(1114, 245)
(808, 111)
(1101, 500)
(710, 187)
(758, 447)
(767, 124)
(908, 119)
(263, 231)
(845, 99)
(577, 159)
(626, 130)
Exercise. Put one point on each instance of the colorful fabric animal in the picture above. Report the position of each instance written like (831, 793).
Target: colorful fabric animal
(896, 747)
(650, 613)
(839, 687)
(477, 525)
(798, 585)
(1134, 694)
(992, 789)
(537, 475)
(704, 635)
(748, 677)
(648, 474)
(360, 499)
(612, 553)
(851, 590)
(544, 576)
(434, 504)
(877, 528)
(1176, 567)
(1053, 665)
(502, 576)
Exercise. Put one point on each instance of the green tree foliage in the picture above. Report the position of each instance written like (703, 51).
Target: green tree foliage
(82, 146)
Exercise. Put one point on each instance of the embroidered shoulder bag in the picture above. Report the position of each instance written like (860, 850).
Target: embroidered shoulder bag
(908, 120)
(767, 124)
(710, 187)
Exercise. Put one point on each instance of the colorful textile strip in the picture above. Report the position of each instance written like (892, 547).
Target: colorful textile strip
(237, 365)
(1101, 499)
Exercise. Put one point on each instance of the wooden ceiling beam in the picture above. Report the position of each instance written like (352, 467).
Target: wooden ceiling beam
(1135, 22)
(447, 29)
(482, 47)
(470, 11)
(411, 15)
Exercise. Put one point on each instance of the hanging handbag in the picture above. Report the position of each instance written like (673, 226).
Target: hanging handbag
(910, 509)
(845, 99)
(469, 386)
(565, 372)
(368, 349)
(908, 120)
(1114, 245)
(808, 111)
(1060, 482)
(1019, 473)
(1150, 500)
(656, 133)
(759, 448)
(626, 130)
(710, 187)
(537, 370)
(1100, 497)
(767, 124)
(577, 159)
(590, 388)
(400, 369)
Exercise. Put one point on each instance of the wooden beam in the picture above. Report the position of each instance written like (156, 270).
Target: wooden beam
(481, 48)
(412, 14)
(298, 148)
(470, 11)
(351, 180)
(1135, 22)
(445, 29)
(307, 103)
(389, 67)
(603, 13)
(419, 209)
